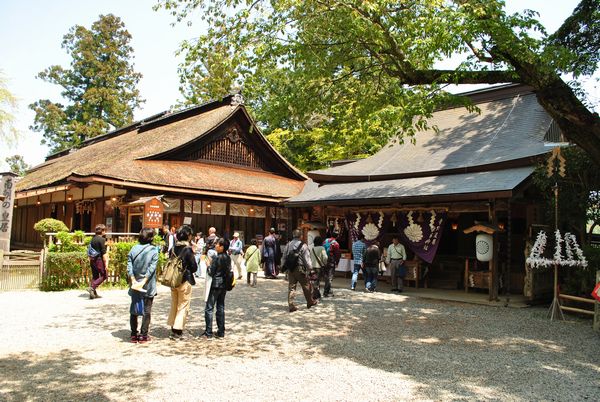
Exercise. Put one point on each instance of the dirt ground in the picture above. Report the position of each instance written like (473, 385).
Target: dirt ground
(355, 346)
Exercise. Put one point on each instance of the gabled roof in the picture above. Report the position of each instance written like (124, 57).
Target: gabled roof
(125, 154)
(507, 132)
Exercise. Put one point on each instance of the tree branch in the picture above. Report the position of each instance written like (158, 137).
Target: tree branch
(424, 77)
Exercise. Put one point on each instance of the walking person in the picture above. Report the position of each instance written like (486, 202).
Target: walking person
(236, 251)
(358, 249)
(396, 255)
(371, 266)
(297, 261)
(198, 247)
(252, 258)
(318, 257)
(333, 258)
(182, 295)
(218, 269)
(141, 269)
(269, 254)
(98, 260)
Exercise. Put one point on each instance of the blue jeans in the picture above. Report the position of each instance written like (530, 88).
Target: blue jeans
(357, 268)
(216, 296)
(371, 281)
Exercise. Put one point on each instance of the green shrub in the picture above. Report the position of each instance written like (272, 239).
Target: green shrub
(118, 261)
(69, 242)
(50, 225)
(64, 270)
(580, 281)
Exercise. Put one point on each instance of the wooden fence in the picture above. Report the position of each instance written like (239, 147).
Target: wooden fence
(594, 305)
(20, 270)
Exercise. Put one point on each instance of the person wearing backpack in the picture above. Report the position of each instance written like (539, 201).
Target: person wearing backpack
(182, 295)
(98, 260)
(252, 258)
(318, 256)
(218, 270)
(332, 247)
(141, 269)
(297, 263)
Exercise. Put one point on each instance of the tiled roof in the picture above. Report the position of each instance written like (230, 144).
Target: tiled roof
(505, 130)
(377, 192)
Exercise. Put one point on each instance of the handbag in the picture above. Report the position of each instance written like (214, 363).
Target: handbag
(137, 303)
(172, 275)
(382, 267)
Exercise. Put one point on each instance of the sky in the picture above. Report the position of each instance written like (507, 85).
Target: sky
(31, 33)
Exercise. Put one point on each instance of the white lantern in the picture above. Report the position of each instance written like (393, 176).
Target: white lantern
(484, 247)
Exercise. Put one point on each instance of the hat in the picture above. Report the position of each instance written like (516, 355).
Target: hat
(236, 234)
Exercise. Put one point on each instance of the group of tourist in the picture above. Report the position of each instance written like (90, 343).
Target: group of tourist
(304, 265)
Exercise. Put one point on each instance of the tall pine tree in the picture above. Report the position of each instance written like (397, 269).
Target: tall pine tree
(99, 87)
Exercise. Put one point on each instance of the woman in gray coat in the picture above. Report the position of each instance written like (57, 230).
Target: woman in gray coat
(141, 269)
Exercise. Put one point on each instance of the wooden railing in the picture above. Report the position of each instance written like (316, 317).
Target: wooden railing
(20, 270)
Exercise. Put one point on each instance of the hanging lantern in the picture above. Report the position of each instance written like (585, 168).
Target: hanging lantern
(484, 247)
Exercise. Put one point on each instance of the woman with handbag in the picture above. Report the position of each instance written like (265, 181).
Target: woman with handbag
(181, 296)
(141, 270)
(218, 269)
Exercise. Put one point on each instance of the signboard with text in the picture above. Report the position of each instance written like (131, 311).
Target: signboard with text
(153, 213)
(7, 190)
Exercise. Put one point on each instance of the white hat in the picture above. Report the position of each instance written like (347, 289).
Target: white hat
(236, 234)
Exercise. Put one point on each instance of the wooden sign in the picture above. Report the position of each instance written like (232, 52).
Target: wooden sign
(153, 213)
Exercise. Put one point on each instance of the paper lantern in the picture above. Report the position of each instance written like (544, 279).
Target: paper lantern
(484, 247)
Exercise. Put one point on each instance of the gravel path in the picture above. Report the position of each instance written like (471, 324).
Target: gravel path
(354, 347)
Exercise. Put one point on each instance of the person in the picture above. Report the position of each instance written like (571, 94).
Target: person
(210, 243)
(333, 258)
(358, 249)
(236, 251)
(166, 234)
(396, 255)
(99, 263)
(299, 272)
(141, 269)
(371, 266)
(198, 247)
(252, 258)
(182, 295)
(172, 239)
(269, 251)
(217, 270)
(318, 256)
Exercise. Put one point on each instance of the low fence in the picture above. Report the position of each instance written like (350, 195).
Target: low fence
(594, 305)
(20, 270)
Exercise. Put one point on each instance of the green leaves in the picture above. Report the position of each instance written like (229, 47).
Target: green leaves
(99, 87)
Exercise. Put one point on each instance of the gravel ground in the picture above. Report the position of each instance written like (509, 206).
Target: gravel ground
(355, 346)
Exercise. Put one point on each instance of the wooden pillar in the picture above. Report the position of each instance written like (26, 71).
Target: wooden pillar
(494, 263)
(268, 219)
(228, 220)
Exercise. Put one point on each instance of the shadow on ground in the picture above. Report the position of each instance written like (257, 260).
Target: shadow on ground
(61, 376)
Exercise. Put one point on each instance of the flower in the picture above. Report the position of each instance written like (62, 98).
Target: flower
(414, 233)
(371, 231)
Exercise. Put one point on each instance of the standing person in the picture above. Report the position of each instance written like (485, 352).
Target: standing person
(172, 239)
(210, 243)
(396, 256)
(269, 251)
(198, 247)
(252, 258)
(333, 258)
(236, 251)
(141, 269)
(297, 260)
(182, 295)
(358, 249)
(217, 270)
(166, 234)
(99, 262)
(371, 266)
(318, 256)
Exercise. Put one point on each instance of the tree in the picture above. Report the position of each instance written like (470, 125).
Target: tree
(8, 104)
(100, 86)
(17, 165)
(300, 60)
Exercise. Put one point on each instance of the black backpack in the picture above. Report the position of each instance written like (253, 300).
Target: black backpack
(291, 260)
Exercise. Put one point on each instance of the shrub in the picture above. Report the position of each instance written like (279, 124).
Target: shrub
(64, 270)
(49, 225)
(69, 242)
(118, 261)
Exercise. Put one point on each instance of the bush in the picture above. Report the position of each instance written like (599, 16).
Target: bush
(64, 270)
(580, 281)
(50, 225)
(69, 242)
(118, 261)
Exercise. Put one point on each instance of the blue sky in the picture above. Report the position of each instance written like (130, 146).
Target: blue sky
(31, 33)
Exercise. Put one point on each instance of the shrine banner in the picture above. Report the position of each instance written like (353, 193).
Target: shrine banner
(420, 231)
(153, 213)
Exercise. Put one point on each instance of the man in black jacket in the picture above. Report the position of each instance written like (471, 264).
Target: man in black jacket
(297, 260)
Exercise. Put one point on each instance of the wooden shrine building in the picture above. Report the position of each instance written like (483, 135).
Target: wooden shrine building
(208, 165)
(476, 168)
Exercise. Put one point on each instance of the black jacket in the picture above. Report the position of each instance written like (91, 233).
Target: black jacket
(189, 262)
(371, 256)
(218, 269)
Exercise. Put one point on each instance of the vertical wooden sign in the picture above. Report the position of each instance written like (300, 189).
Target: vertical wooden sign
(153, 213)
